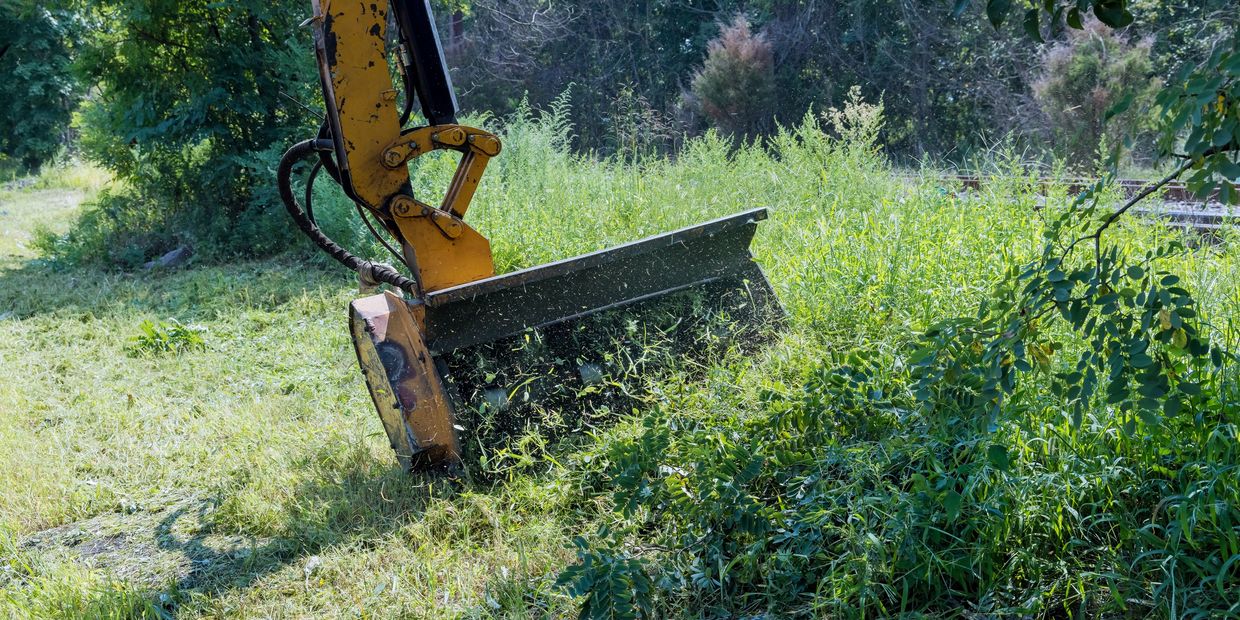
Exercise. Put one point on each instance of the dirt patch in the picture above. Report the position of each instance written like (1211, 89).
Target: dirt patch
(171, 545)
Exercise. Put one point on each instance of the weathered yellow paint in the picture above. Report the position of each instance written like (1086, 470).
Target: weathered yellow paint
(374, 155)
(446, 250)
(402, 380)
(350, 43)
(476, 146)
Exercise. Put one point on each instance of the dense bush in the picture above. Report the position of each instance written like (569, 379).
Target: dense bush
(1086, 75)
(938, 466)
(736, 86)
(190, 119)
(840, 498)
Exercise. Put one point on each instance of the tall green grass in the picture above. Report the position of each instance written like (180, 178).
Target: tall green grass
(254, 476)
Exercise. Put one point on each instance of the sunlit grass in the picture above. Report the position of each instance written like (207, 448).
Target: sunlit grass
(251, 478)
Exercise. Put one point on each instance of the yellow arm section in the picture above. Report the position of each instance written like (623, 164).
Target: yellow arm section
(373, 153)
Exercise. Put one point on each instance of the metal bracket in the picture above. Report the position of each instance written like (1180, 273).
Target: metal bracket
(406, 207)
(476, 146)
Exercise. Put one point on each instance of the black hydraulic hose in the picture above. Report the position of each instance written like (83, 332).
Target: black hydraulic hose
(325, 155)
(309, 206)
(409, 95)
(376, 272)
(327, 163)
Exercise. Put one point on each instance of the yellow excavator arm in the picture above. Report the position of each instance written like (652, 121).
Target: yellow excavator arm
(373, 152)
(452, 301)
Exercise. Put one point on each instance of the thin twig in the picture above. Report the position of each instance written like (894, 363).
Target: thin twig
(303, 106)
(1141, 196)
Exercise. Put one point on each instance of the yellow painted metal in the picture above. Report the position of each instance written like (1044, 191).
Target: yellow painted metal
(446, 250)
(476, 146)
(374, 154)
(402, 380)
(350, 42)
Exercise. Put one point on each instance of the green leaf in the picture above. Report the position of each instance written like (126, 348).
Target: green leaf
(1149, 416)
(1112, 13)
(1074, 19)
(1151, 390)
(998, 457)
(997, 10)
(1173, 406)
(1032, 25)
(1120, 107)
(1227, 193)
(961, 5)
(951, 503)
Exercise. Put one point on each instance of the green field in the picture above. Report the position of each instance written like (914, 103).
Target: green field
(251, 477)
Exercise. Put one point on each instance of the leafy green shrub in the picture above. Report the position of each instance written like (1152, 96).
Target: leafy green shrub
(190, 119)
(1091, 72)
(971, 467)
(737, 82)
(846, 499)
(614, 584)
(117, 228)
(170, 336)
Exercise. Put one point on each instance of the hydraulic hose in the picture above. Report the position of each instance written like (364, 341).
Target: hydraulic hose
(366, 269)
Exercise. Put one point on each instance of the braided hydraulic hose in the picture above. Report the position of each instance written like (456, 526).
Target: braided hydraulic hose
(366, 269)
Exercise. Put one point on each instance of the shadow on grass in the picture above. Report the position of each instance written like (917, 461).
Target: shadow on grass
(361, 504)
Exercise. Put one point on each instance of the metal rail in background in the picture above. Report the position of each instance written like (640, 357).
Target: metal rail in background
(1175, 203)
(1174, 191)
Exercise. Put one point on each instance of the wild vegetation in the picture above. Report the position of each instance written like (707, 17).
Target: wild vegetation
(191, 103)
(250, 477)
(1005, 401)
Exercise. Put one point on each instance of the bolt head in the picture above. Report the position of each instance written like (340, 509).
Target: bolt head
(400, 205)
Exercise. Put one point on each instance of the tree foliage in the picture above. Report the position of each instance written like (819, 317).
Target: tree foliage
(189, 111)
(36, 85)
(1199, 112)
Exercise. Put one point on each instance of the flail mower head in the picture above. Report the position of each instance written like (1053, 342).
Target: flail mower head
(460, 357)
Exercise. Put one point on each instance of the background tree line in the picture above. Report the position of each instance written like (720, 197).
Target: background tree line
(190, 102)
(949, 83)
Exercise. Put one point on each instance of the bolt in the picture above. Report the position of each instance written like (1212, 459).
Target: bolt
(450, 137)
(400, 205)
(392, 158)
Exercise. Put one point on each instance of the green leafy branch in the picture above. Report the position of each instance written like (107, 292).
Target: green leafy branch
(1055, 13)
(1139, 344)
